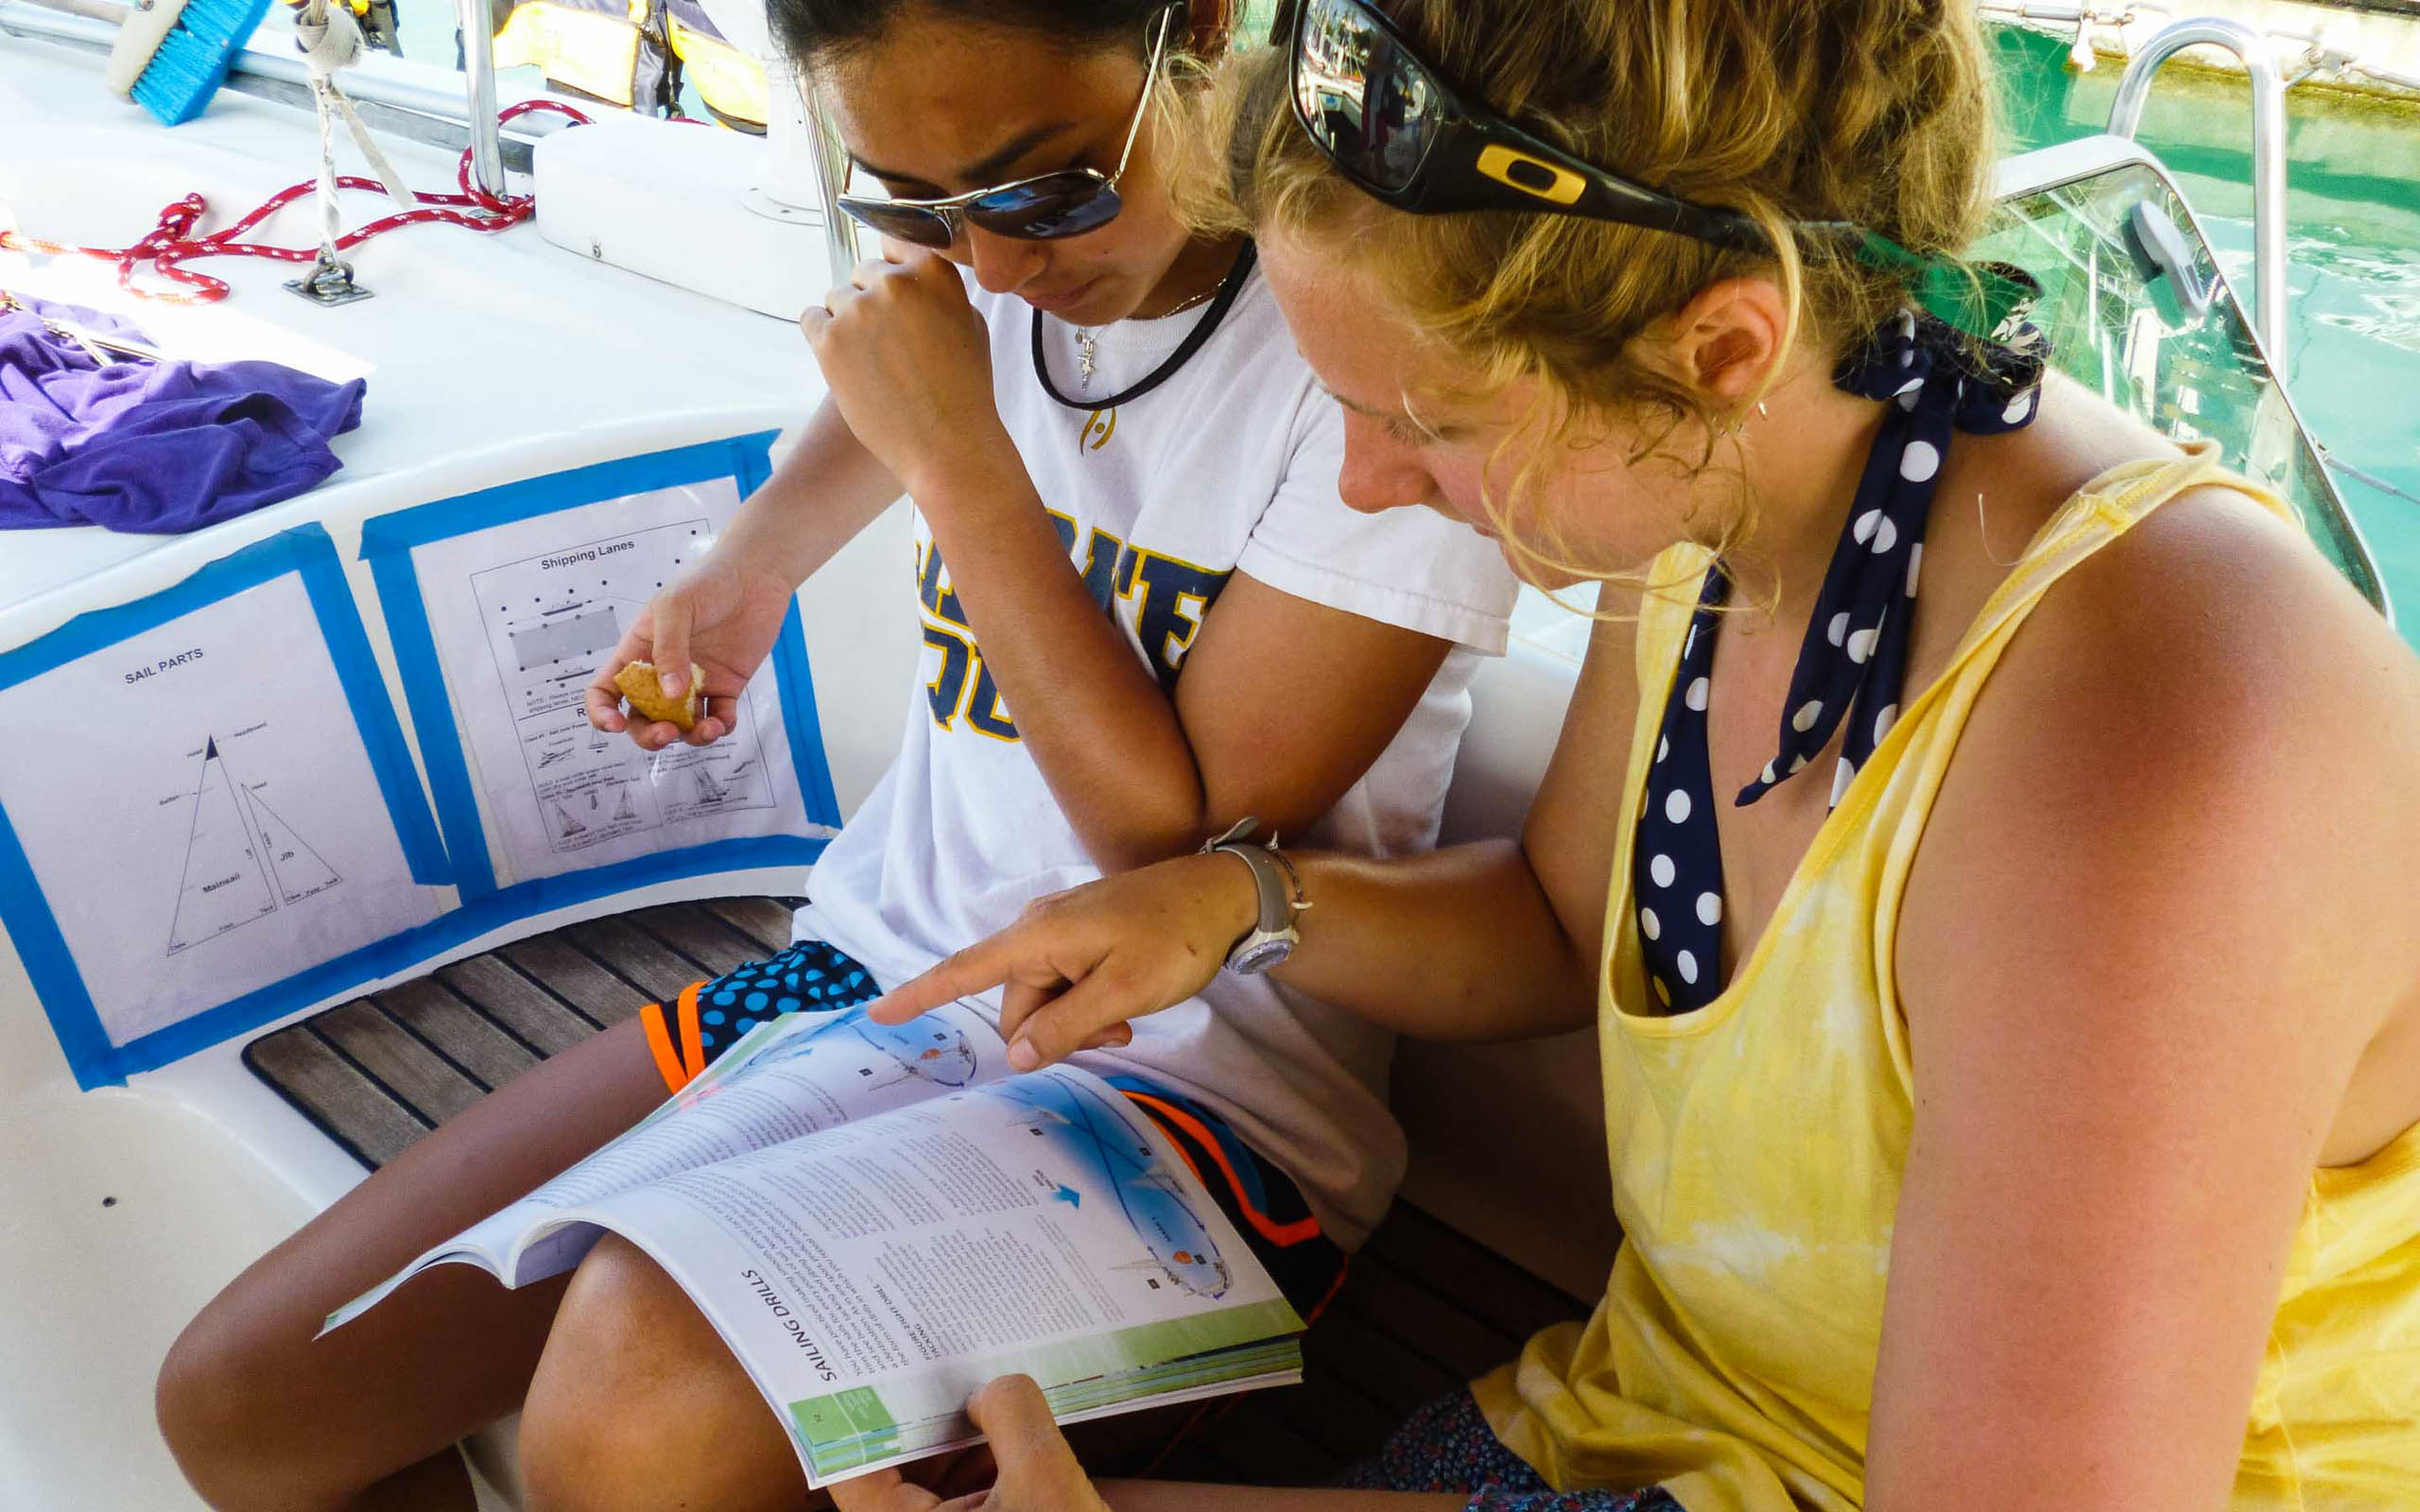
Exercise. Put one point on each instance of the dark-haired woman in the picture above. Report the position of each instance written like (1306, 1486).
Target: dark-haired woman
(1146, 616)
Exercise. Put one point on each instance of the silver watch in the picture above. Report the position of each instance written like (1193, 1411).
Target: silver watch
(1272, 937)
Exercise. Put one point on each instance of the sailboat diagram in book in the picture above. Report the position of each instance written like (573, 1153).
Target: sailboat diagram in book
(1111, 1163)
(243, 861)
(930, 1051)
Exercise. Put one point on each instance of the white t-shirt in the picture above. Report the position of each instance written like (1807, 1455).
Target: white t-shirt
(1229, 466)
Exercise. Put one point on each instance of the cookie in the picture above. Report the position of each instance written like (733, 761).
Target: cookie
(647, 697)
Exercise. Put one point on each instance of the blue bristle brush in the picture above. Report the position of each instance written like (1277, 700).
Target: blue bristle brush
(172, 55)
(193, 58)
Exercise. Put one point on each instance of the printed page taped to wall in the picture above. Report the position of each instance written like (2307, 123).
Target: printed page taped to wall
(522, 615)
(201, 812)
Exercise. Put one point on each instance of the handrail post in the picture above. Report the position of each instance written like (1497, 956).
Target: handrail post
(831, 178)
(478, 74)
(2268, 153)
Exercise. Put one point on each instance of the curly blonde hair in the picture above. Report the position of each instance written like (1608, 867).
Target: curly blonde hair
(1876, 112)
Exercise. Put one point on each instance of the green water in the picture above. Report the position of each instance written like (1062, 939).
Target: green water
(2353, 254)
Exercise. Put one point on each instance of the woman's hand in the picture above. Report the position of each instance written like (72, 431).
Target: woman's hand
(909, 361)
(719, 614)
(1037, 1471)
(1080, 962)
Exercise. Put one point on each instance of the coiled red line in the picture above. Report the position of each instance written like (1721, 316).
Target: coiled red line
(172, 243)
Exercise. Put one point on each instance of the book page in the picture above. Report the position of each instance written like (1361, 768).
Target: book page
(789, 1077)
(871, 1278)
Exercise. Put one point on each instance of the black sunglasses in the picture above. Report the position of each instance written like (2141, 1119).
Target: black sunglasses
(1391, 124)
(1042, 208)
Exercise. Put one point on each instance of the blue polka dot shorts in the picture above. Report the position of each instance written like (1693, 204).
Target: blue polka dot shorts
(710, 1016)
(1447, 1446)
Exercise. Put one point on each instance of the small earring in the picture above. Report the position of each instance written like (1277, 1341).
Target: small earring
(1761, 410)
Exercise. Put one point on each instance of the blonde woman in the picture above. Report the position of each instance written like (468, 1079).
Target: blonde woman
(1988, 852)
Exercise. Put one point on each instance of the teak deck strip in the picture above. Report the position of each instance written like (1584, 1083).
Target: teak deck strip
(1423, 1310)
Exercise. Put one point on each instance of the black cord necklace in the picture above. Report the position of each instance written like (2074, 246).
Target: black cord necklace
(1232, 286)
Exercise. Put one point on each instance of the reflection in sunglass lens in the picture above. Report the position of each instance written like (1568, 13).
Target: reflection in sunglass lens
(901, 223)
(1046, 208)
(1364, 101)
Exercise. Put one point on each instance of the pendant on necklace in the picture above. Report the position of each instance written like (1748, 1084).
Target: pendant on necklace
(1085, 341)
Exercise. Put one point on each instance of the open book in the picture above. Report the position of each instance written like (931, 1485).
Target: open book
(878, 1220)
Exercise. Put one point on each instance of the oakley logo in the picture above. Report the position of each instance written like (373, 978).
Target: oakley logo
(1531, 175)
(1098, 427)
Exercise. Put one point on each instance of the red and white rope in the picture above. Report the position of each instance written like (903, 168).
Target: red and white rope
(173, 242)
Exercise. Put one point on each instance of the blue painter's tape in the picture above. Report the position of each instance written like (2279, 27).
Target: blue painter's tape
(387, 543)
(797, 683)
(450, 846)
(752, 461)
(739, 459)
(441, 749)
(51, 965)
(398, 953)
(373, 715)
(305, 550)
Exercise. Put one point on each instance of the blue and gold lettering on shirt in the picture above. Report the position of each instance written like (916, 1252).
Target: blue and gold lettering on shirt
(1175, 598)
(1171, 599)
(1101, 555)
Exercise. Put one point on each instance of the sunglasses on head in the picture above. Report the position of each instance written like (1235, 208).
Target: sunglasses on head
(1391, 122)
(1042, 208)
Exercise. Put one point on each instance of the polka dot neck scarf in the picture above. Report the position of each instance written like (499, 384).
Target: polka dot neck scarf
(1853, 659)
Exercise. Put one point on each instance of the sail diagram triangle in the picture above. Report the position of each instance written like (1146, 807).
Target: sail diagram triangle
(294, 867)
(224, 883)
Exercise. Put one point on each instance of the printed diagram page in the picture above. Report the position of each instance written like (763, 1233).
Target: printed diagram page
(871, 1276)
(802, 1075)
(205, 821)
(523, 614)
(793, 1074)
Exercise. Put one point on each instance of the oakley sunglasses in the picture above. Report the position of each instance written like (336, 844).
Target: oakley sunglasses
(1391, 124)
(1389, 121)
(1042, 208)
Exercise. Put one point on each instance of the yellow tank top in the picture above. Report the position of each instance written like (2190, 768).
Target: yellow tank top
(1758, 1146)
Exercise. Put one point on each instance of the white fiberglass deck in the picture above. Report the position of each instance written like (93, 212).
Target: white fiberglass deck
(486, 355)
(489, 358)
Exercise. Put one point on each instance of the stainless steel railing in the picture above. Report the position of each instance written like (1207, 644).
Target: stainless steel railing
(478, 85)
(2268, 153)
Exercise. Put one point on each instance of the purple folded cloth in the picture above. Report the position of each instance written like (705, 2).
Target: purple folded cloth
(151, 447)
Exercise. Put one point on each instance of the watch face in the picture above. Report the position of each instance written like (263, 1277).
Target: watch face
(1254, 959)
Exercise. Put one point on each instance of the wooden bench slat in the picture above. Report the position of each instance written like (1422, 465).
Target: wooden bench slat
(421, 1079)
(1195, 1460)
(630, 952)
(1349, 1347)
(572, 975)
(369, 1123)
(765, 920)
(1269, 1445)
(699, 935)
(544, 1021)
(1272, 1453)
(1431, 1324)
(1344, 1425)
(460, 1032)
(1474, 1277)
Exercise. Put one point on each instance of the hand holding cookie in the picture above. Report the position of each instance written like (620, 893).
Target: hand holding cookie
(687, 657)
(644, 692)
